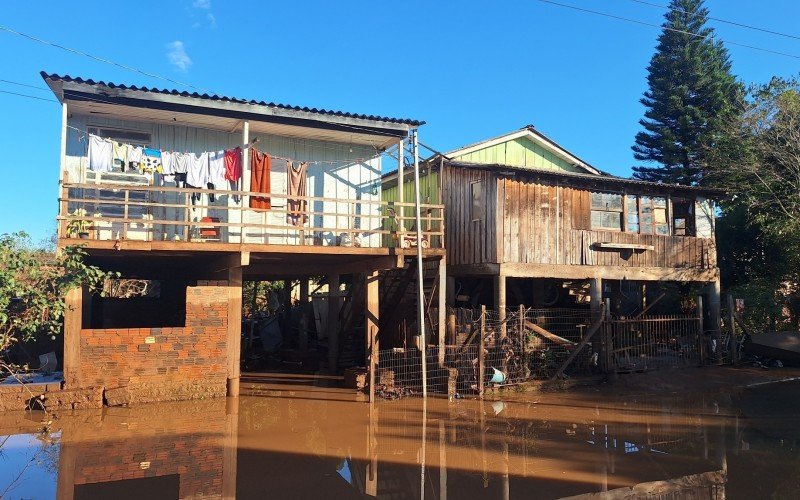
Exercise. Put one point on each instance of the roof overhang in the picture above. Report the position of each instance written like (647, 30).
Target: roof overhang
(225, 114)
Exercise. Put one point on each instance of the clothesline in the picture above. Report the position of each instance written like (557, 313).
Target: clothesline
(361, 159)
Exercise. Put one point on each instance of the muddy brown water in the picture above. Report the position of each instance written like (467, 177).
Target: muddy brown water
(292, 439)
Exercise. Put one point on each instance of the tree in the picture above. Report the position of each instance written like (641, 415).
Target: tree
(33, 285)
(691, 94)
(757, 160)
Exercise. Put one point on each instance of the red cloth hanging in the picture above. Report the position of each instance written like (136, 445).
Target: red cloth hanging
(259, 179)
(233, 164)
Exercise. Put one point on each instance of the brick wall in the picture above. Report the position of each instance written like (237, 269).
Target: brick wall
(161, 364)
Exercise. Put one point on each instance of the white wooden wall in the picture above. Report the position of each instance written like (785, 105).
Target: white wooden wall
(344, 179)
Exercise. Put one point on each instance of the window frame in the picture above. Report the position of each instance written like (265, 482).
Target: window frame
(621, 211)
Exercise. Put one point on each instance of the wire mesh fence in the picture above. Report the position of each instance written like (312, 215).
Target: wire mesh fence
(491, 348)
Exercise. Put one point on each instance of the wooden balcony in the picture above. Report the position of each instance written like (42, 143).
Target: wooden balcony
(140, 217)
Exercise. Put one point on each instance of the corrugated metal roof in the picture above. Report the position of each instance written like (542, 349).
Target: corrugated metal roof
(66, 78)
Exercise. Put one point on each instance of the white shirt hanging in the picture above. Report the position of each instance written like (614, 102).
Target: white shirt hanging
(100, 154)
(197, 175)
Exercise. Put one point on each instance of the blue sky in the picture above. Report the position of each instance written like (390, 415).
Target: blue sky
(471, 69)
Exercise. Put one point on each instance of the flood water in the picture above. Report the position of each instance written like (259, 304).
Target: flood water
(290, 439)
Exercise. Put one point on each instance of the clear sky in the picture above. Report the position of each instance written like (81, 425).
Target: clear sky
(471, 69)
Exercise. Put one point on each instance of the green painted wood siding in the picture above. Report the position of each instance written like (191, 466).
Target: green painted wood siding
(520, 152)
(429, 193)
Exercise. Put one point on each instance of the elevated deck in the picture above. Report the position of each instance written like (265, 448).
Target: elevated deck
(125, 220)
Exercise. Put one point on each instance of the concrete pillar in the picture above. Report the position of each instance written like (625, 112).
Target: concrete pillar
(234, 328)
(333, 323)
(500, 302)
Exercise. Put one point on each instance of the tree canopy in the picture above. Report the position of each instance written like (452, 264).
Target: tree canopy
(691, 94)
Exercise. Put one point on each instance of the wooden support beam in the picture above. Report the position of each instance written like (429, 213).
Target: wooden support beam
(234, 334)
(732, 327)
(442, 310)
(714, 315)
(371, 325)
(73, 316)
(352, 267)
(596, 297)
(548, 335)
(500, 303)
(333, 323)
(482, 353)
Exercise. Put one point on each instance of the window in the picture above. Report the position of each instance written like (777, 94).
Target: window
(478, 203)
(683, 217)
(135, 137)
(632, 207)
(653, 215)
(607, 211)
(704, 218)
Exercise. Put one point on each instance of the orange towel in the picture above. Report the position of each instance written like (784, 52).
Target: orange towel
(259, 179)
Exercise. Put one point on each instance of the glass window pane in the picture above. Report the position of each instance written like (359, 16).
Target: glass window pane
(597, 219)
(646, 228)
(662, 229)
(633, 227)
(597, 201)
(660, 202)
(660, 215)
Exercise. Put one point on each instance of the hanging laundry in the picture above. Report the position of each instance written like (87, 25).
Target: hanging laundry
(119, 155)
(182, 161)
(233, 164)
(135, 154)
(216, 168)
(180, 179)
(259, 179)
(168, 163)
(151, 161)
(197, 174)
(100, 154)
(296, 186)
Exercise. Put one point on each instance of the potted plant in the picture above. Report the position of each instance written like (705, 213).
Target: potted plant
(79, 227)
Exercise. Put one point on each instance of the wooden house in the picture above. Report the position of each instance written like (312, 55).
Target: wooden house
(201, 242)
(530, 223)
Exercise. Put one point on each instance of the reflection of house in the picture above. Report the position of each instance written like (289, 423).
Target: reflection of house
(530, 223)
(201, 239)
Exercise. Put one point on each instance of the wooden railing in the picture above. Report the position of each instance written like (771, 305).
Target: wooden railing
(152, 213)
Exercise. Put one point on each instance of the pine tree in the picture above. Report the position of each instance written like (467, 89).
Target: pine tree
(691, 94)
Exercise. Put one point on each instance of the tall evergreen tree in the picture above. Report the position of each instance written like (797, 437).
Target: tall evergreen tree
(691, 94)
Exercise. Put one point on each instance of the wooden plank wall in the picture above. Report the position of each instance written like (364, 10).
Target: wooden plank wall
(468, 241)
(549, 224)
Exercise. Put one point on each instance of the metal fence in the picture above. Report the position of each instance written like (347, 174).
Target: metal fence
(652, 342)
(491, 348)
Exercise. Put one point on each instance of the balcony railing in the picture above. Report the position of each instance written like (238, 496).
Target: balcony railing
(117, 212)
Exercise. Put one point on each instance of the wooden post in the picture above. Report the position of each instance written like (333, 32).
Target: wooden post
(333, 323)
(595, 296)
(701, 330)
(732, 323)
(607, 342)
(400, 189)
(234, 325)
(73, 316)
(442, 311)
(451, 328)
(522, 337)
(371, 325)
(714, 316)
(500, 303)
(481, 349)
(304, 311)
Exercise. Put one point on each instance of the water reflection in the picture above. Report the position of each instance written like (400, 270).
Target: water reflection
(292, 440)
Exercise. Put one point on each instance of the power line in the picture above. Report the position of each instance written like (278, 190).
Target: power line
(733, 23)
(44, 89)
(100, 59)
(28, 96)
(644, 23)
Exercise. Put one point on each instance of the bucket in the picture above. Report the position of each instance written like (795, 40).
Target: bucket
(498, 377)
